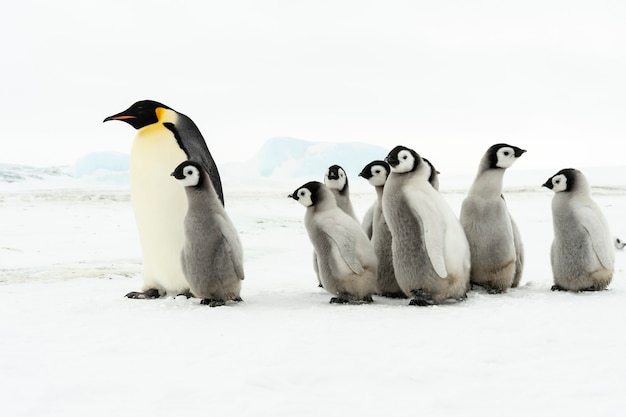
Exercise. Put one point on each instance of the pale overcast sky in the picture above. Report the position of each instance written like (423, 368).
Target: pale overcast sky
(448, 78)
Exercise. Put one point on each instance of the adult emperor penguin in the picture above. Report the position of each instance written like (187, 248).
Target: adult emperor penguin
(368, 217)
(431, 256)
(495, 244)
(582, 252)
(376, 173)
(345, 256)
(336, 180)
(212, 256)
(164, 139)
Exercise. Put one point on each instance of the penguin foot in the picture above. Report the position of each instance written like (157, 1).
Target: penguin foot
(557, 287)
(238, 299)
(212, 302)
(348, 299)
(367, 299)
(187, 294)
(488, 287)
(150, 294)
(421, 298)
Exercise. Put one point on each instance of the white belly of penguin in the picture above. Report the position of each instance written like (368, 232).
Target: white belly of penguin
(160, 205)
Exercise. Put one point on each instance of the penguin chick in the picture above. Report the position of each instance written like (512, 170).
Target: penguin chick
(495, 244)
(430, 252)
(582, 253)
(376, 174)
(345, 257)
(336, 180)
(164, 139)
(368, 218)
(212, 256)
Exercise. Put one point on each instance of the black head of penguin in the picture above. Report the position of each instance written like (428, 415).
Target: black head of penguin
(149, 112)
(141, 114)
(312, 187)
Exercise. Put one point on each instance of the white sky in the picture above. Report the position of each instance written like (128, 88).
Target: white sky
(448, 78)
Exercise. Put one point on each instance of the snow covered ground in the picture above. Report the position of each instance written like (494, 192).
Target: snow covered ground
(72, 345)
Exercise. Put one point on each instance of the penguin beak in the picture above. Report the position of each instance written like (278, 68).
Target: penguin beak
(120, 116)
(547, 184)
(519, 152)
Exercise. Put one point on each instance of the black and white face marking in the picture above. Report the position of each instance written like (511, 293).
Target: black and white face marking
(402, 160)
(379, 175)
(557, 183)
(503, 156)
(306, 194)
(188, 174)
(506, 157)
(335, 178)
(303, 196)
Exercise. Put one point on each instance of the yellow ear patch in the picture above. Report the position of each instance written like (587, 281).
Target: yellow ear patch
(160, 113)
(163, 116)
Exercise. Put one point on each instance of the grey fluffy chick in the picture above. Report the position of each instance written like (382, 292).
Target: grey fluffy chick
(212, 256)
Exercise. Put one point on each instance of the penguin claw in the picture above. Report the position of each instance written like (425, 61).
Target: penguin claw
(187, 294)
(150, 294)
(557, 287)
(421, 298)
(349, 300)
(211, 302)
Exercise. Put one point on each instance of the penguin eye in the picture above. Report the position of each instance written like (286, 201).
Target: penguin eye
(302, 193)
(377, 171)
(506, 153)
(557, 181)
(190, 172)
(404, 157)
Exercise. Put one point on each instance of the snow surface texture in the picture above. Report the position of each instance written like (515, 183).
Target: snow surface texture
(72, 345)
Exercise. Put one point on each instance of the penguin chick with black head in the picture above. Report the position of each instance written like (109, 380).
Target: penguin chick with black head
(336, 180)
(164, 139)
(376, 173)
(368, 217)
(582, 253)
(212, 256)
(495, 243)
(346, 261)
(431, 255)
